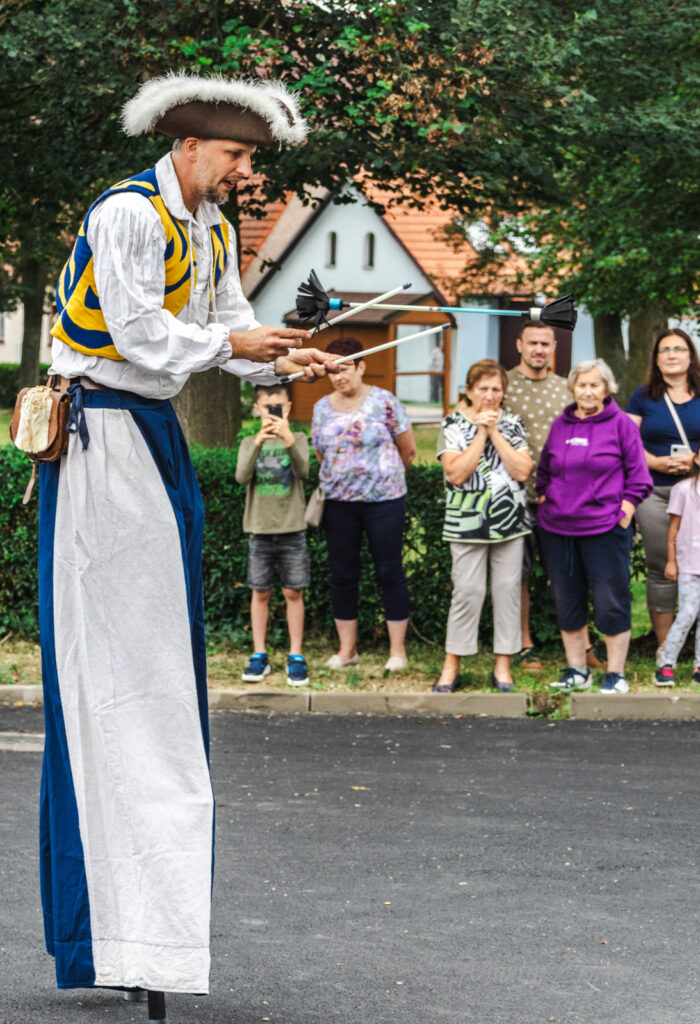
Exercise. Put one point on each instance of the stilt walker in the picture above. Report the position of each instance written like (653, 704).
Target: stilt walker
(150, 294)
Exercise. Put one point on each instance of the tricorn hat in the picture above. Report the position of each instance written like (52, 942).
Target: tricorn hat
(181, 105)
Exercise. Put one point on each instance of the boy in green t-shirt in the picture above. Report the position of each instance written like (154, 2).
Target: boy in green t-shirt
(272, 465)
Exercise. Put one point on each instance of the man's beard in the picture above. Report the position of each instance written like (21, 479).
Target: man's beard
(213, 195)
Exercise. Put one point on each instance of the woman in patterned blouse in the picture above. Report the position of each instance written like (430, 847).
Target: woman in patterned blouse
(486, 461)
(363, 439)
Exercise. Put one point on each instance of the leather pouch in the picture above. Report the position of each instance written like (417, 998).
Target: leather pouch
(39, 425)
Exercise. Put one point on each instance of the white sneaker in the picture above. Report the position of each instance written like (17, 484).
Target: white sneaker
(571, 679)
(614, 682)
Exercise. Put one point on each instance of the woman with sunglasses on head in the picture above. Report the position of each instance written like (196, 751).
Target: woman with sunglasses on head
(667, 410)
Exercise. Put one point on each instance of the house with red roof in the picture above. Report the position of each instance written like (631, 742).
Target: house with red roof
(358, 253)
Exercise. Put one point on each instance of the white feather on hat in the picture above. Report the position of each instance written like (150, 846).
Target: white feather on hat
(271, 102)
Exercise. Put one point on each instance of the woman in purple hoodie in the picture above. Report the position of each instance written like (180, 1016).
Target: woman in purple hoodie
(592, 474)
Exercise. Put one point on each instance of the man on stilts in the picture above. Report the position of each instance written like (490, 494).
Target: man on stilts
(150, 294)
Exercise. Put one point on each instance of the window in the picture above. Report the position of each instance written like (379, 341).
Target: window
(331, 249)
(368, 260)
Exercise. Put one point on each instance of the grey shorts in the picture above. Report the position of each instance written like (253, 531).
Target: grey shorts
(286, 550)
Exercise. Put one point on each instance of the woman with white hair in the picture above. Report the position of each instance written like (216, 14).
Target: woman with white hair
(591, 476)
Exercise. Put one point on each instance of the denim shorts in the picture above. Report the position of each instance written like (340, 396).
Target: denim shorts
(286, 550)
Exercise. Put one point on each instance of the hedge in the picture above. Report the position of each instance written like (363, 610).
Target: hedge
(9, 383)
(427, 560)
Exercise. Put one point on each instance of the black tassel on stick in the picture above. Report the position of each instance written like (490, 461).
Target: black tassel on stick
(557, 313)
(312, 301)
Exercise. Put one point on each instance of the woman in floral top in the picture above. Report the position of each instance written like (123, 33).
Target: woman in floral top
(484, 454)
(363, 440)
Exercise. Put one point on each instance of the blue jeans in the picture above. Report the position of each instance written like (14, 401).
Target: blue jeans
(383, 521)
(599, 562)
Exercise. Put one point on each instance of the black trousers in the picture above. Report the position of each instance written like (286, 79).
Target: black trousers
(383, 521)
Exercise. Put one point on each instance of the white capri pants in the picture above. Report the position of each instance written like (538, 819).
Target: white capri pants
(469, 569)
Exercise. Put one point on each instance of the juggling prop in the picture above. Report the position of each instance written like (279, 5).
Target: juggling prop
(313, 303)
(371, 351)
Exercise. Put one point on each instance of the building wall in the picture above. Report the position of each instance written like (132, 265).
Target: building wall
(11, 327)
(392, 264)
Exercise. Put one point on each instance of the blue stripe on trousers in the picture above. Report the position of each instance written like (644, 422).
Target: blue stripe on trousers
(64, 894)
(62, 868)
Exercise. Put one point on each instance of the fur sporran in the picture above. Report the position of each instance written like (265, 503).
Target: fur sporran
(39, 425)
(313, 513)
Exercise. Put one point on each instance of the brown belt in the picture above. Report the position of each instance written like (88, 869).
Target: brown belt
(62, 383)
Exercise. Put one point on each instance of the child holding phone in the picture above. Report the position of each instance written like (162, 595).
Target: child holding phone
(272, 465)
(683, 566)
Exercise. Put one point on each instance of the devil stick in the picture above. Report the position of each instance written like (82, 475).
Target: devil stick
(371, 351)
(313, 302)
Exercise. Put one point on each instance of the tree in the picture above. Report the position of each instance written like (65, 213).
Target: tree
(63, 77)
(620, 133)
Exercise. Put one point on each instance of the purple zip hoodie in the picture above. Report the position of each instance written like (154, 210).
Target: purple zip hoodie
(587, 468)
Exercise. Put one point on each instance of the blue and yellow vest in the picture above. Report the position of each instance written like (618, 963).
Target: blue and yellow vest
(80, 322)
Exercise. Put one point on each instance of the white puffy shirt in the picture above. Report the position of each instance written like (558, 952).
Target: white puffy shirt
(160, 350)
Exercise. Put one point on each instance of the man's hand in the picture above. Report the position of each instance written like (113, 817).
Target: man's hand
(312, 361)
(265, 344)
(671, 571)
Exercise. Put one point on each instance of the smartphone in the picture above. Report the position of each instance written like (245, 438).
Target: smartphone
(276, 410)
(679, 449)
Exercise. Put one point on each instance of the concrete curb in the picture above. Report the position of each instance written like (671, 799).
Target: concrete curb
(679, 706)
(590, 706)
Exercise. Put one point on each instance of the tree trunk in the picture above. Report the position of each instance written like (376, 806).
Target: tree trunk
(209, 409)
(34, 281)
(607, 330)
(644, 330)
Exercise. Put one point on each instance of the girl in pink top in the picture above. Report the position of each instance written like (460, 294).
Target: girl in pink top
(683, 565)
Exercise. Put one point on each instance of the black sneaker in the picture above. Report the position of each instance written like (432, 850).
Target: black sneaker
(258, 667)
(665, 676)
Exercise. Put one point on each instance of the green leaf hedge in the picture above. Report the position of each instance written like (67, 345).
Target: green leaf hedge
(427, 560)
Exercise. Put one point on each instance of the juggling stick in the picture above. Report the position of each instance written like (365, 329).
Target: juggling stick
(313, 302)
(371, 351)
(309, 308)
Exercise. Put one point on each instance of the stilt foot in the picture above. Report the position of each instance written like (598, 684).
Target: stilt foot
(136, 995)
(156, 1008)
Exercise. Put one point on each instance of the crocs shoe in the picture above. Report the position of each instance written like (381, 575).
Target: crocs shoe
(297, 672)
(572, 679)
(257, 668)
(614, 682)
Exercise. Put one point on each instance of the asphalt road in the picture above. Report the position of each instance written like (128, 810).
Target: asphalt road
(402, 871)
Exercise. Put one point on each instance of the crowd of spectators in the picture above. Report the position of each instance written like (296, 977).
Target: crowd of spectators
(534, 466)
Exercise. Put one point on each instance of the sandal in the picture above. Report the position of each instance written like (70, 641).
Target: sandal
(528, 660)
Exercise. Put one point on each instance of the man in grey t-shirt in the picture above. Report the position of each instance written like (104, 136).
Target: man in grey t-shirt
(538, 396)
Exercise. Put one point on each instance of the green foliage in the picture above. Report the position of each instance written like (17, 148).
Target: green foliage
(18, 547)
(9, 384)
(227, 598)
(614, 93)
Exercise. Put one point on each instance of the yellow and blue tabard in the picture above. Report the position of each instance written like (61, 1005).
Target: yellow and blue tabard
(81, 324)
